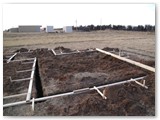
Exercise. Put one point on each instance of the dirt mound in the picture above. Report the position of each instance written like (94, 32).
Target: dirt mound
(22, 50)
(111, 49)
(63, 49)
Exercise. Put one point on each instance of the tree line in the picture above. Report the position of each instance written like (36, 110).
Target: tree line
(115, 27)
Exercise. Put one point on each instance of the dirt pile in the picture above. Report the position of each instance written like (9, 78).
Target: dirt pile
(111, 49)
(61, 48)
(22, 50)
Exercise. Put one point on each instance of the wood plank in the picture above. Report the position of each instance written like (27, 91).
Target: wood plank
(17, 95)
(11, 57)
(152, 69)
(24, 70)
(53, 52)
(31, 82)
(18, 80)
(81, 90)
(70, 93)
(23, 60)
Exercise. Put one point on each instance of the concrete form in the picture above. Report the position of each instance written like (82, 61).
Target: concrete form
(31, 82)
(73, 92)
(28, 97)
(128, 60)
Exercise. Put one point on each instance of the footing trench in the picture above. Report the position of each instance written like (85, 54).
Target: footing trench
(38, 83)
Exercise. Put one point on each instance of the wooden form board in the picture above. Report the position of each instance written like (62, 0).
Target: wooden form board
(152, 69)
(31, 82)
(83, 90)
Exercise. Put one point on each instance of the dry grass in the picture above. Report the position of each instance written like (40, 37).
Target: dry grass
(82, 40)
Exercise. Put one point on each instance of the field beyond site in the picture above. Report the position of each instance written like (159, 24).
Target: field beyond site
(141, 41)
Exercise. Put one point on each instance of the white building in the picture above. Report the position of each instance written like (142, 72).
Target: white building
(67, 29)
(49, 29)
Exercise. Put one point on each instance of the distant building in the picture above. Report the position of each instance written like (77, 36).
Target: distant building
(29, 28)
(67, 29)
(13, 30)
(49, 29)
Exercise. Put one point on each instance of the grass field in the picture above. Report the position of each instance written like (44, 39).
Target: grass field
(140, 41)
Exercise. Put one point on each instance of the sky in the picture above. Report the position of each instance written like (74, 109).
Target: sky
(59, 15)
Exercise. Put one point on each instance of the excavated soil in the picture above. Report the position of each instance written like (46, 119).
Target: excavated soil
(65, 73)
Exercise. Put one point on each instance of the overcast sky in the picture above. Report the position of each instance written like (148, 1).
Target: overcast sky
(60, 15)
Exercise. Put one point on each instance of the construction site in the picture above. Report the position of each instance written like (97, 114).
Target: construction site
(91, 76)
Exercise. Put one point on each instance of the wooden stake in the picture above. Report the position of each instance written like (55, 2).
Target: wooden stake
(33, 104)
(61, 51)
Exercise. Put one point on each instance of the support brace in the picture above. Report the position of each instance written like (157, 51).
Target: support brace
(119, 52)
(53, 52)
(11, 57)
(25, 70)
(27, 62)
(104, 97)
(24, 79)
(142, 84)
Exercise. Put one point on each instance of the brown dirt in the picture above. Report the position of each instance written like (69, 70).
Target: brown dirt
(64, 73)
(22, 50)
(85, 70)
